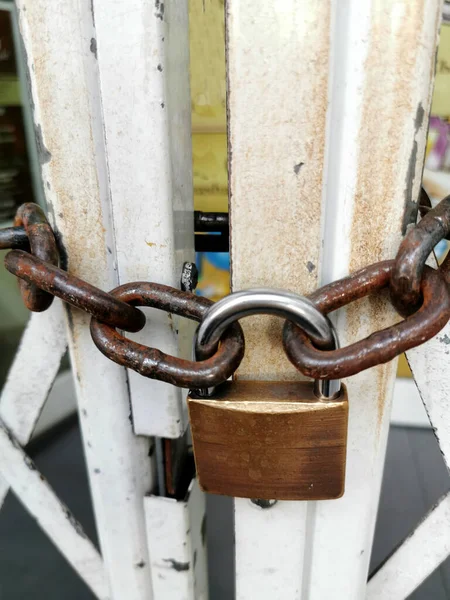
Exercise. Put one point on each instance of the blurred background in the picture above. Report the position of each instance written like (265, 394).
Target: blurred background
(415, 475)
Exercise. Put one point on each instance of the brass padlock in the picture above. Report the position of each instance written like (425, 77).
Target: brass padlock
(270, 440)
(264, 439)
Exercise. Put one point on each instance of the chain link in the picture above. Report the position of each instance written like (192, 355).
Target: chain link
(412, 254)
(215, 366)
(74, 291)
(417, 291)
(380, 347)
(43, 246)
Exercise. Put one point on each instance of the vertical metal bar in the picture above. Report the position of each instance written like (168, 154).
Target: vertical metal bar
(382, 69)
(277, 62)
(143, 55)
(60, 46)
(176, 533)
(328, 106)
(143, 59)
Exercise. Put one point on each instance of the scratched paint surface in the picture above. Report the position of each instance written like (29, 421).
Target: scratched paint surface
(379, 104)
(430, 368)
(277, 104)
(63, 76)
(179, 563)
(368, 167)
(277, 60)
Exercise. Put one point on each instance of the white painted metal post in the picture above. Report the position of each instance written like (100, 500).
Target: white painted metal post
(328, 108)
(143, 54)
(176, 533)
(60, 43)
(144, 78)
(277, 59)
(377, 133)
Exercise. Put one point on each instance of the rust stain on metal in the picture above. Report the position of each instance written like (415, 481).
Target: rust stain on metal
(69, 153)
(412, 254)
(373, 236)
(42, 245)
(208, 371)
(262, 178)
(74, 291)
(381, 374)
(381, 134)
(381, 346)
(154, 244)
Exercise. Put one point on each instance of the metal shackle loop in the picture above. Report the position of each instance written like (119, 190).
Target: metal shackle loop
(290, 306)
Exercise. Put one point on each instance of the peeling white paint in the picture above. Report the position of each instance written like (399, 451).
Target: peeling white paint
(176, 533)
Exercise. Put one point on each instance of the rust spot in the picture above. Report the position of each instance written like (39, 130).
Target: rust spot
(43, 153)
(93, 47)
(77, 526)
(177, 565)
(297, 167)
(263, 503)
(203, 530)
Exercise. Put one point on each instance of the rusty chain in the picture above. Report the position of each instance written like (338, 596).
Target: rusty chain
(418, 292)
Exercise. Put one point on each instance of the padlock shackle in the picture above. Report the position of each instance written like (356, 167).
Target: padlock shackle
(290, 306)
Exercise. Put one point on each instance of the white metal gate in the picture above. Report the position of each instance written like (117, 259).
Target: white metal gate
(328, 106)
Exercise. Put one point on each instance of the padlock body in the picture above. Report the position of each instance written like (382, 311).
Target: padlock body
(270, 440)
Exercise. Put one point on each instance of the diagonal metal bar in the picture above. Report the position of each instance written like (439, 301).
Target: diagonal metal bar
(31, 375)
(33, 371)
(418, 556)
(51, 514)
(430, 366)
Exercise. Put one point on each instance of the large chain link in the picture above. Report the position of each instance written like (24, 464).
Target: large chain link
(417, 291)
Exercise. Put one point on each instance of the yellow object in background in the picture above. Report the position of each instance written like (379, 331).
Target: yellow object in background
(403, 369)
(440, 106)
(208, 98)
(209, 152)
(209, 139)
(207, 48)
